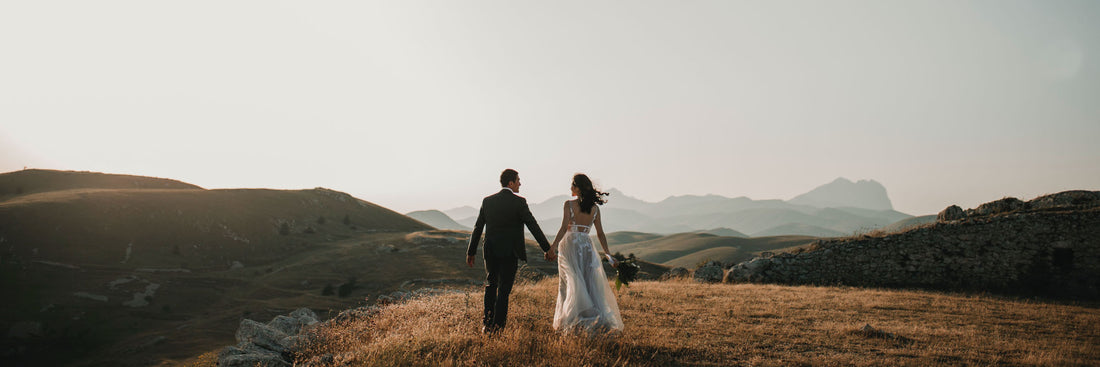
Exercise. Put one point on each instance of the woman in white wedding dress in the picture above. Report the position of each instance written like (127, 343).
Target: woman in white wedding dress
(585, 300)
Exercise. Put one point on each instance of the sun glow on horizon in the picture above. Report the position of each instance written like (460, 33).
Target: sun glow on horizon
(420, 105)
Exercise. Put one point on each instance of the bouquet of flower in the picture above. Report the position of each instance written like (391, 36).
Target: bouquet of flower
(626, 271)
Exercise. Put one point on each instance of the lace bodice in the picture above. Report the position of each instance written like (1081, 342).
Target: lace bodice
(574, 227)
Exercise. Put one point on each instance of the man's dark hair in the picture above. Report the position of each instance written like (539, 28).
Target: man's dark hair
(508, 176)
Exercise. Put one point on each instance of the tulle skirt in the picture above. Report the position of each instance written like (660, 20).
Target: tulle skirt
(585, 300)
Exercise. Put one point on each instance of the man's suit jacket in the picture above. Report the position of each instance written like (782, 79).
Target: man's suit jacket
(503, 215)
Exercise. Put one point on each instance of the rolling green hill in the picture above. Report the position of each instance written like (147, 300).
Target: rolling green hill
(725, 232)
(101, 264)
(32, 181)
(798, 229)
(688, 249)
(618, 238)
(207, 229)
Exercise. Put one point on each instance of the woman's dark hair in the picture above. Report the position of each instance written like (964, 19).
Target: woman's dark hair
(508, 176)
(589, 195)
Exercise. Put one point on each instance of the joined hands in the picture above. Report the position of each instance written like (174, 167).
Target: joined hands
(551, 255)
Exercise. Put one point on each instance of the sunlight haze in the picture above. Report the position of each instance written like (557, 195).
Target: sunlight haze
(420, 104)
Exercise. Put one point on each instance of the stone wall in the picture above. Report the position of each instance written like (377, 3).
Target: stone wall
(1049, 246)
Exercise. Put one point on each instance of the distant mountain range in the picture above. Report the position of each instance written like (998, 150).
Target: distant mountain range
(838, 208)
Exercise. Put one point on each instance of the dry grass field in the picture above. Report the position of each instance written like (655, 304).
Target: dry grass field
(683, 323)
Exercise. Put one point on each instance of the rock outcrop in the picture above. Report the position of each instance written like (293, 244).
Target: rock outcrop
(1067, 200)
(953, 212)
(675, 273)
(278, 342)
(1049, 245)
(268, 345)
(710, 272)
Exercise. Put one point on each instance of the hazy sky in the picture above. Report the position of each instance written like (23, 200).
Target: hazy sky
(416, 105)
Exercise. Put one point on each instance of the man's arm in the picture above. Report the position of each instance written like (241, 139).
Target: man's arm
(533, 226)
(475, 238)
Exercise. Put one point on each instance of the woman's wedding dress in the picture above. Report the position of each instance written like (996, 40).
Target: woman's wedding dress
(585, 300)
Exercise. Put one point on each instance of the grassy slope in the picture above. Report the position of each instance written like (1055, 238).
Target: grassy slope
(799, 229)
(33, 181)
(685, 249)
(89, 227)
(420, 255)
(200, 310)
(906, 224)
(210, 227)
(623, 237)
(679, 323)
(725, 232)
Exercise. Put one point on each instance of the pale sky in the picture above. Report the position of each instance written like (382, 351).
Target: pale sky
(416, 105)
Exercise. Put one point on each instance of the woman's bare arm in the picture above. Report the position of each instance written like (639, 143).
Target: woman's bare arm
(561, 230)
(599, 231)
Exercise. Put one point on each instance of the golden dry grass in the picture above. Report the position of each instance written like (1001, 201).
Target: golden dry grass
(681, 323)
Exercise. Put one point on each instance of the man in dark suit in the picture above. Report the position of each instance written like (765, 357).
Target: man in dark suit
(503, 216)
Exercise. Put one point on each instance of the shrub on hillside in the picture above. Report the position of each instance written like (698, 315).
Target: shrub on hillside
(328, 290)
(284, 229)
(309, 230)
(346, 288)
(347, 220)
(708, 262)
(321, 220)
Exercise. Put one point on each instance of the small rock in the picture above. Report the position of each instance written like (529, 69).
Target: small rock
(261, 335)
(286, 324)
(953, 212)
(305, 315)
(293, 342)
(253, 360)
(94, 297)
(709, 273)
(1066, 199)
(1000, 206)
(357, 313)
(678, 272)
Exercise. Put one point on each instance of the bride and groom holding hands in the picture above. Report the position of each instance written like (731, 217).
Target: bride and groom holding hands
(585, 301)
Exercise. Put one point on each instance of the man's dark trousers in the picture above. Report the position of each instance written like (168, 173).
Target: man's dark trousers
(501, 275)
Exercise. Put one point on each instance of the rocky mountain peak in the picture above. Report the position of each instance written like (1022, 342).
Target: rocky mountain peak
(842, 192)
